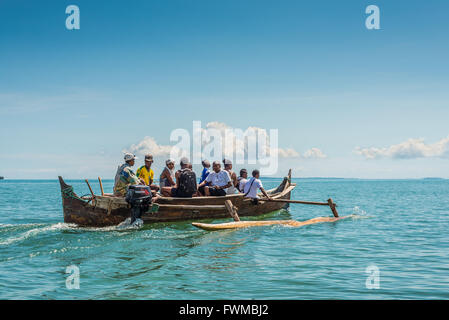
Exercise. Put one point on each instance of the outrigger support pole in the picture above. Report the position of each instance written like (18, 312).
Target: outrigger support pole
(232, 210)
(329, 203)
(332, 205)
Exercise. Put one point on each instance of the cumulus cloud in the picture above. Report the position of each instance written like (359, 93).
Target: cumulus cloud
(410, 149)
(149, 145)
(288, 153)
(314, 153)
(233, 142)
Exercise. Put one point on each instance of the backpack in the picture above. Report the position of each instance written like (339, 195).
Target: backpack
(187, 183)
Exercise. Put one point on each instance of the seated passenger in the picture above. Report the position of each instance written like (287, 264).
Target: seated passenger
(167, 177)
(218, 181)
(242, 180)
(206, 170)
(186, 185)
(228, 167)
(253, 185)
(147, 174)
(125, 176)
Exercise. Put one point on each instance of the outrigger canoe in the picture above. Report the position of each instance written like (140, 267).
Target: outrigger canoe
(246, 224)
(108, 210)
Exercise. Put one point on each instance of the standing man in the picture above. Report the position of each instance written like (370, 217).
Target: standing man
(253, 185)
(125, 176)
(218, 181)
(146, 173)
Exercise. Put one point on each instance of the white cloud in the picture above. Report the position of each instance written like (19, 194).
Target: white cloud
(314, 153)
(288, 153)
(410, 149)
(149, 145)
(237, 143)
(239, 146)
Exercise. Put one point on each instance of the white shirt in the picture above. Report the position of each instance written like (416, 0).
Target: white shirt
(232, 189)
(219, 179)
(242, 182)
(255, 185)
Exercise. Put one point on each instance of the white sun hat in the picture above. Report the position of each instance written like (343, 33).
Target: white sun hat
(129, 156)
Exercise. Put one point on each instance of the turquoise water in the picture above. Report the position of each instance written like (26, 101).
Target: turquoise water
(400, 226)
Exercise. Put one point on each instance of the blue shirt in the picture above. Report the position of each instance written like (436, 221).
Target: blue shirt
(204, 174)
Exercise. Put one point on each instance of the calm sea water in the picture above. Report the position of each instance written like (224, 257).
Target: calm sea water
(399, 226)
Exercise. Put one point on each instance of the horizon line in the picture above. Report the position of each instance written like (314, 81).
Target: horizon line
(267, 177)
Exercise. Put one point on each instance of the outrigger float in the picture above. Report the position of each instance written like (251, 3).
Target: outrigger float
(107, 210)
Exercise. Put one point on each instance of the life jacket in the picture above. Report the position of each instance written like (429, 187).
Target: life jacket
(187, 183)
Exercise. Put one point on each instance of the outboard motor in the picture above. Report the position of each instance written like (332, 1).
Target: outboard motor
(139, 197)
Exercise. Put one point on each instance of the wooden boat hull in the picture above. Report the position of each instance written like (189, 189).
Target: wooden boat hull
(107, 210)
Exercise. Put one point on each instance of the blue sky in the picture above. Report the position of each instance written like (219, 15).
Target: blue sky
(71, 101)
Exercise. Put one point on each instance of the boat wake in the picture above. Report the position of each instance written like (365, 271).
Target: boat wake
(17, 226)
(126, 225)
(36, 230)
(358, 213)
